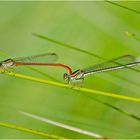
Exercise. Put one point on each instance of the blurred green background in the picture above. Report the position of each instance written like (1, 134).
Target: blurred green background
(97, 27)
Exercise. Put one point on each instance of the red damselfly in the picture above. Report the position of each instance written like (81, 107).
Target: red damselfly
(45, 59)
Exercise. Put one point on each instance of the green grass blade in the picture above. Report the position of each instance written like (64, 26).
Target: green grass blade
(113, 107)
(124, 112)
(58, 84)
(23, 129)
(64, 44)
(124, 7)
(132, 35)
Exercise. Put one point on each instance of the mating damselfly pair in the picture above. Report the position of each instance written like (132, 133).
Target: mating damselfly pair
(47, 59)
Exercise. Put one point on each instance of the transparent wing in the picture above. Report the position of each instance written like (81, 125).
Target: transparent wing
(114, 63)
(46, 57)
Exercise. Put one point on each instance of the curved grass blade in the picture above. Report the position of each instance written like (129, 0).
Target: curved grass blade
(124, 7)
(23, 129)
(58, 84)
(62, 125)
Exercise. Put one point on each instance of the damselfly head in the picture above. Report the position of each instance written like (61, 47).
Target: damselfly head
(65, 76)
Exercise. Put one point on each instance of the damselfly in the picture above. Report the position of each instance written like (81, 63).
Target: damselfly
(121, 62)
(45, 59)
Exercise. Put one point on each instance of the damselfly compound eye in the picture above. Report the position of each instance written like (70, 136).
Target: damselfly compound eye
(65, 76)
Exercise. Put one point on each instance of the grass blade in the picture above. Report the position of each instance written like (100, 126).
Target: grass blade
(114, 107)
(62, 125)
(64, 44)
(58, 84)
(134, 36)
(3, 124)
(124, 7)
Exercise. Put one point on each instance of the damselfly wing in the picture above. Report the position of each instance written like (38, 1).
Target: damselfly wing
(121, 62)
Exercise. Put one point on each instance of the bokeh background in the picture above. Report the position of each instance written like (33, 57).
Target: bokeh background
(97, 27)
